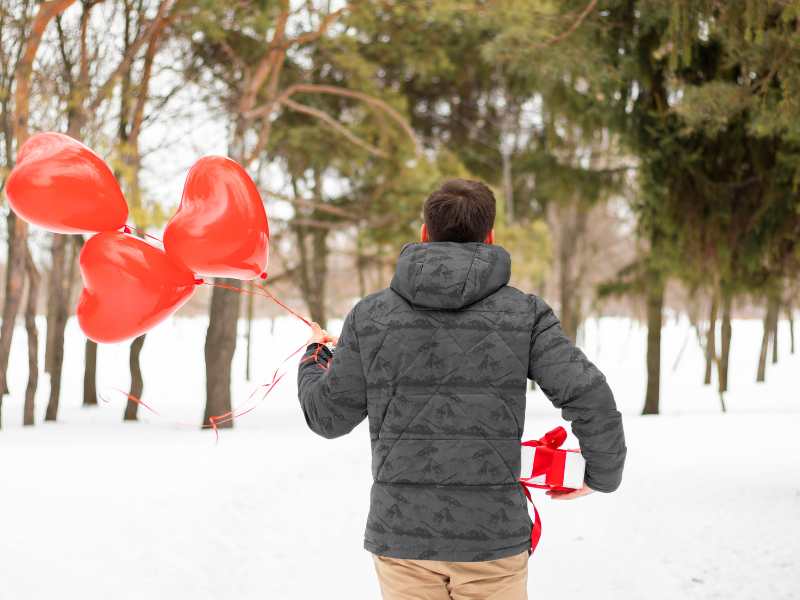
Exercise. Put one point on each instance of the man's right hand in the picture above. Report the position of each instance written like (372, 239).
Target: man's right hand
(564, 495)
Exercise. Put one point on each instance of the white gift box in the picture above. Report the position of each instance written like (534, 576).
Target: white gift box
(547, 467)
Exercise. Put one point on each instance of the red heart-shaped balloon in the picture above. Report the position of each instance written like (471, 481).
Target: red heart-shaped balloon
(61, 185)
(220, 229)
(129, 287)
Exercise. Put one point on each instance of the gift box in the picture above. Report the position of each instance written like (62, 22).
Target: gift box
(547, 466)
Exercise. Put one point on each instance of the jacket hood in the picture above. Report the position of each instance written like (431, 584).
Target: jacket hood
(450, 275)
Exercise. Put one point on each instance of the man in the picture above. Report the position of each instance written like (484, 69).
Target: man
(439, 362)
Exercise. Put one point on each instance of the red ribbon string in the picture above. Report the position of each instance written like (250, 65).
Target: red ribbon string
(140, 232)
(261, 291)
(536, 529)
(215, 420)
(149, 408)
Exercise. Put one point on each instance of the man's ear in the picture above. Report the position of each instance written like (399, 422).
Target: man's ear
(489, 237)
(423, 233)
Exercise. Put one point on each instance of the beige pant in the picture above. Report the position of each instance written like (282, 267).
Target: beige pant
(502, 579)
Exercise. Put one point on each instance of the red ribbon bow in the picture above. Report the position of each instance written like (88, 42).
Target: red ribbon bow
(553, 438)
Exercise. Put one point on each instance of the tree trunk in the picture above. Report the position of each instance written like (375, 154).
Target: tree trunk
(566, 289)
(55, 380)
(17, 228)
(790, 317)
(250, 309)
(15, 282)
(508, 186)
(769, 336)
(55, 298)
(360, 265)
(33, 339)
(137, 381)
(58, 300)
(90, 374)
(774, 328)
(655, 307)
(770, 318)
(320, 266)
(570, 219)
(726, 332)
(711, 339)
(219, 349)
(313, 269)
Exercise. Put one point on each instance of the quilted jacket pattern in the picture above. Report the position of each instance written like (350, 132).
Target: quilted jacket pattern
(438, 363)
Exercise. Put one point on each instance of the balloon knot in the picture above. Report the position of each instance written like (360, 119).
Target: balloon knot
(126, 229)
(199, 281)
(263, 275)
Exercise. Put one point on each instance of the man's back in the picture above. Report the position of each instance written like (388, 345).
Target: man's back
(439, 362)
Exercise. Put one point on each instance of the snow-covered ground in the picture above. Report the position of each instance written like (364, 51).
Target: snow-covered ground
(94, 508)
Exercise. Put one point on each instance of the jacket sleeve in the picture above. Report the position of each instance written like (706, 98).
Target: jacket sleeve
(331, 385)
(579, 389)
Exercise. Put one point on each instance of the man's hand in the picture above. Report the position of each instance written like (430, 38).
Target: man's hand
(564, 495)
(320, 336)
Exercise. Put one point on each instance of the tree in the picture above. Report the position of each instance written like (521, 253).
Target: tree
(698, 92)
(17, 228)
(133, 97)
(247, 49)
(87, 87)
(510, 117)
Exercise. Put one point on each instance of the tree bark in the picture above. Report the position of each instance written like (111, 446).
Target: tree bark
(17, 228)
(55, 299)
(15, 282)
(774, 328)
(313, 269)
(249, 334)
(571, 220)
(62, 296)
(655, 307)
(508, 186)
(770, 318)
(320, 273)
(565, 287)
(711, 339)
(90, 374)
(58, 297)
(137, 381)
(360, 266)
(33, 339)
(726, 332)
(219, 349)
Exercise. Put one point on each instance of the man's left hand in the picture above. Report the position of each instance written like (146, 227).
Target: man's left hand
(320, 336)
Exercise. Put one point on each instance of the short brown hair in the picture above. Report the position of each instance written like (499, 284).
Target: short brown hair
(461, 210)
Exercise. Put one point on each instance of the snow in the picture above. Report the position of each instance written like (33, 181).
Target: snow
(96, 508)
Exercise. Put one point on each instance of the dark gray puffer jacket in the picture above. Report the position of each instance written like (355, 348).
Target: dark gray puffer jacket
(439, 363)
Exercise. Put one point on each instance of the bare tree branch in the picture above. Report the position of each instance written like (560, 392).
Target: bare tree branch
(47, 11)
(310, 36)
(333, 124)
(569, 30)
(105, 90)
(313, 88)
(142, 94)
(267, 63)
(321, 207)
